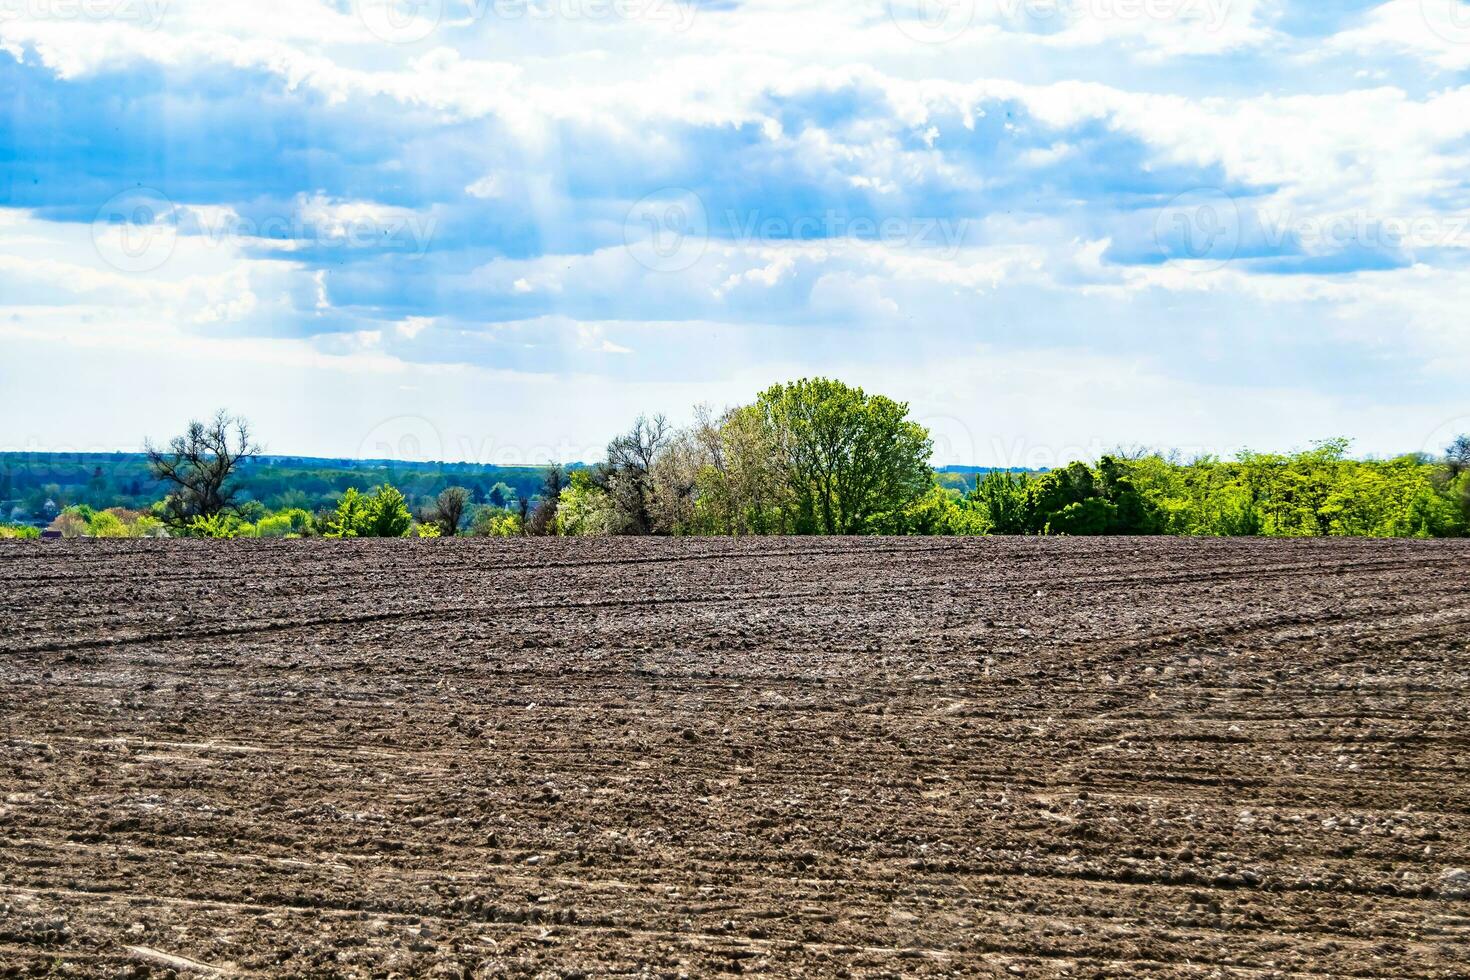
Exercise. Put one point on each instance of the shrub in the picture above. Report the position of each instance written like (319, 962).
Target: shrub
(220, 526)
(496, 522)
(388, 514)
(70, 524)
(383, 515)
(293, 523)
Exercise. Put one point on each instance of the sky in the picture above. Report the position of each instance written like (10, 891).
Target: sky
(498, 230)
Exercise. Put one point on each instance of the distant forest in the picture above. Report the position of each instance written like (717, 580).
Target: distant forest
(810, 457)
(36, 487)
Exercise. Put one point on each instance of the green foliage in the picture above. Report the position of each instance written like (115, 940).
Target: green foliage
(18, 532)
(850, 460)
(83, 511)
(1316, 493)
(942, 511)
(495, 522)
(349, 517)
(293, 523)
(106, 524)
(383, 515)
(1001, 499)
(219, 526)
(585, 509)
(387, 514)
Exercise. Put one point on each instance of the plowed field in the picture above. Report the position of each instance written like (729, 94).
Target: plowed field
(1088, 758)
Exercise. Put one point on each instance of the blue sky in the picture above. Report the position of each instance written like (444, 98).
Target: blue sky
(497, 230)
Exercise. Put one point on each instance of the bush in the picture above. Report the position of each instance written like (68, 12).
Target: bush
(107, 525)
(18, 532)
(70, 524)
(496, 522)
(220, 526)
(388, 514)
(293, 523)
(383, 515)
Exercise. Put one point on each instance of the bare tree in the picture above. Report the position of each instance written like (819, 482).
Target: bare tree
(1458, 455)
(199, 465)
(674, 506)
(543, 521)
(449, 509)
(627, 475)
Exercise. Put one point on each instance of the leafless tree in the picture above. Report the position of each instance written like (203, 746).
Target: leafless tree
(543, 521)
(449, 509)
(627, 475)
(1458, 455)
(199, 465)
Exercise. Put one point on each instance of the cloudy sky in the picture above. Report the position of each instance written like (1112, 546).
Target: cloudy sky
(496, 230)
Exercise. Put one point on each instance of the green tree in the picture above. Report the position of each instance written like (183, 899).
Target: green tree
(847, 457)
(388, 515)
(350, 516)
(1002, 498)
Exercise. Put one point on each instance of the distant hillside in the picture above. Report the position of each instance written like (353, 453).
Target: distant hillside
(29, 481)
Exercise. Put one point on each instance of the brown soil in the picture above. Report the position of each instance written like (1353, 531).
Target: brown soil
(1087, 758)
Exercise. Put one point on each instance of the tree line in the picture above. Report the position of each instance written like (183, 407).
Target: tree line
(817, 456)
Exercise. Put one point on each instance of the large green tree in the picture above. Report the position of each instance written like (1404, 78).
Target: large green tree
(848, 457)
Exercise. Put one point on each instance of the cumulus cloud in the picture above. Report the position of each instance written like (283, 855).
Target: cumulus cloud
(569, 191)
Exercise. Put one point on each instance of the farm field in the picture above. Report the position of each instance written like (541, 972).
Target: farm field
(1067, 757)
